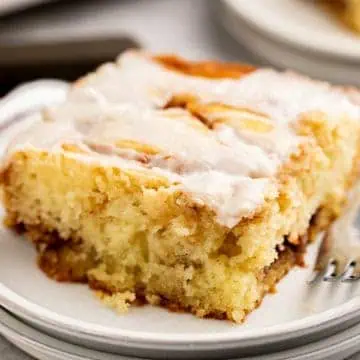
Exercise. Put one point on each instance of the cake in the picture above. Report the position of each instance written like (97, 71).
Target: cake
(348, 11)
(190, 185)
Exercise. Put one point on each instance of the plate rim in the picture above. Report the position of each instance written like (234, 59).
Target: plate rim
(47, 318)
(51, 343)
(35, 338)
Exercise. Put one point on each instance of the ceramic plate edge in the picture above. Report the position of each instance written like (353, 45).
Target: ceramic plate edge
(33, 311)
(23, 334)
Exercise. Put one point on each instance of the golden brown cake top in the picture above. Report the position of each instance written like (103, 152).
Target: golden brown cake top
(348, 11)
(217, 132)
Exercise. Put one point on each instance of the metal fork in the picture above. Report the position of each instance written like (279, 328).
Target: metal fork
(339, 256)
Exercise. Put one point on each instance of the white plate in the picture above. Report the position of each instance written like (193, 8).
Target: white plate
(287, 55)
(300, 23)
(44, 347)
(295, 315)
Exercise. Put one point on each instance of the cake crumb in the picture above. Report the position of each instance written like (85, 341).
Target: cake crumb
(118, 301)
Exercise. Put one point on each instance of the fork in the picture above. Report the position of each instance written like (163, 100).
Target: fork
(338, 258)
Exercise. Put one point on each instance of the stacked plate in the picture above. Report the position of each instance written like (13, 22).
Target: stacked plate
(59, 321)
(295, 34)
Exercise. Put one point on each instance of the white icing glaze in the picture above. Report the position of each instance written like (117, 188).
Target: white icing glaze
(136, 79)
(230, 171)
(283, 96)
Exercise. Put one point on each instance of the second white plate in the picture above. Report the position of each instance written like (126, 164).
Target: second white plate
(299, 23)
(289, 54)
(45, 347)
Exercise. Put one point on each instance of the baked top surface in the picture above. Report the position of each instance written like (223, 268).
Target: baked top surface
(221, 139)
(347, 10)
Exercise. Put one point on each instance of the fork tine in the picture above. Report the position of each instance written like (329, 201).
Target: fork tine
(323, 256)
(354, 275)
(318, 276)
(357, 266)
(352, 278)
(323, 267)
(342, 265)
(330, 272)
(347, 275)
